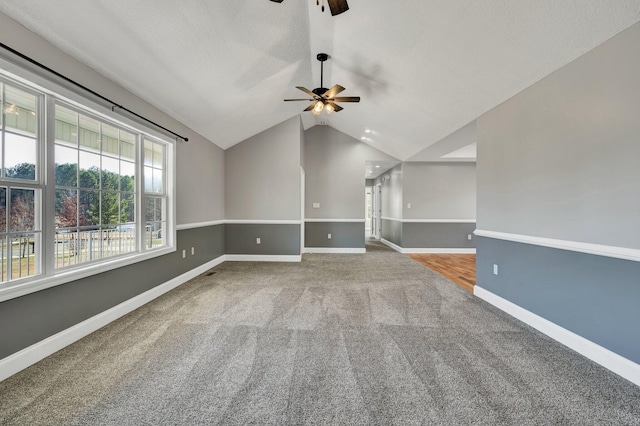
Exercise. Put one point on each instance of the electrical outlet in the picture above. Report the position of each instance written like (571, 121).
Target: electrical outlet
(258, 240)
(316, 205)
(408, 205)
(193, 251)
(469, 237)
(329, 236)
(495, 269)
(184, 254)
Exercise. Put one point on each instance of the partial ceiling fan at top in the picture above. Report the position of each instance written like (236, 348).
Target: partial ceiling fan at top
(336, 6)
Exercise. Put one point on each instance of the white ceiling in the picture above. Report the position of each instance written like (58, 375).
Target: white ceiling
(424, 68)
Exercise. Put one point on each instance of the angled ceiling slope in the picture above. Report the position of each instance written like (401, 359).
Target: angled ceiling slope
(423, 71)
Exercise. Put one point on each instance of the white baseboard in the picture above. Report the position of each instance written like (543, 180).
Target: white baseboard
(438, 250)
(428, 250)
(337, 250)
(38, 351)
(262, 258)
(598, 354)
(392, 245)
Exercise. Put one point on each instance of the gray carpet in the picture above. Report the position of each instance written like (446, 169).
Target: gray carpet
(337, 339)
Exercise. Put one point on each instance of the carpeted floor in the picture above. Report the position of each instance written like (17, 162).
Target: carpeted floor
(336, 339)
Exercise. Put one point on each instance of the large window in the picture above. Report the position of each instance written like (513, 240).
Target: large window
(77, 188)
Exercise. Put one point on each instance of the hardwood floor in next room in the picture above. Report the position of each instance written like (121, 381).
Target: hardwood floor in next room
(459, 268)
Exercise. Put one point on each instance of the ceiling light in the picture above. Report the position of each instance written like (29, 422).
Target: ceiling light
(367, 130)
(377, 166)
(317, 109)
(329, 108)
(364, 138)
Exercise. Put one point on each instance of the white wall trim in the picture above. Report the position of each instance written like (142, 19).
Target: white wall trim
(600, 355)
(393, 219)
(412, 250)
(597, 249)
(38, 351)
(261, 222)
(438, 250)
(262, 258)
(199, 224)
(392, 245)
(339, 250)
(335, 220)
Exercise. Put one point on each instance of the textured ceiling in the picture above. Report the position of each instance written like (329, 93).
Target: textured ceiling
(424, 68)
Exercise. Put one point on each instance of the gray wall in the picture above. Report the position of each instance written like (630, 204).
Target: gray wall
(438, 235)
(334, 167)
(392, 192)
(439, 190)
(595, 297)
(343, 234)
(275, 239)
(560, 160)
(200, 174)
(262, 175)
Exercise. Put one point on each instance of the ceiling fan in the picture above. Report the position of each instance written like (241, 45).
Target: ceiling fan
(336, 6)
(322, 97)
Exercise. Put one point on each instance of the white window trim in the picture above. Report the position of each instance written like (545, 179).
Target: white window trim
(50, 277)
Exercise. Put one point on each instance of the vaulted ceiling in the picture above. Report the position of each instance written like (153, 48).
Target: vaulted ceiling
(425, 69)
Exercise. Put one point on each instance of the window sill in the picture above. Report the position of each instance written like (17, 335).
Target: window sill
(42, 283)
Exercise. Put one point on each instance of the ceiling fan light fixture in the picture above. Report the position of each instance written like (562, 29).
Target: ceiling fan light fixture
(329, 108)
(317, 109)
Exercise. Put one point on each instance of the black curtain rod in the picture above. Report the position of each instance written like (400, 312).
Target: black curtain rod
(98, 95)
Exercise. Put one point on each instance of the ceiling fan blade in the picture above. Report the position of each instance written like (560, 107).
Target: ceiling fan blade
(346, 99)
(288, 100)
(333, 91)
(336, 107)
(310, 107)
(307, 91)
(337, 6)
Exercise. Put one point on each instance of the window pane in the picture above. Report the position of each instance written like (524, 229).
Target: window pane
(127, 208)
(89, 133)
(19, 110)
(66, 166)
(66, 126)
(66, 208)
(110, 173)
(154, 209)
(127, 176)
(110, 140)
(148, 179)
(67, 249)
(4, 255)
(20, 157)
(89, 170)
(22, 210)
(154, 234)
(89, 244)
(157, 181)
(89, 213)
(127, 145)
(110, 208)
(158, 156)
(23, 256)
(148, 153)
(3, 209)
